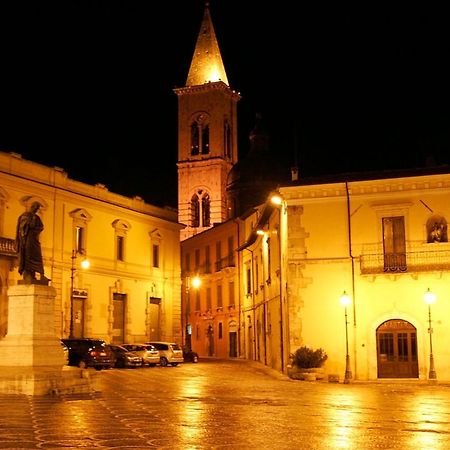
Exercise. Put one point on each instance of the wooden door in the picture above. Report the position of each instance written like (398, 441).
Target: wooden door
(397, 350)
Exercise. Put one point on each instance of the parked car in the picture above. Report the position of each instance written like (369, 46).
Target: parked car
(189, 355)
(88, 352)
(124, 357)
(169, 352)
(148, 353)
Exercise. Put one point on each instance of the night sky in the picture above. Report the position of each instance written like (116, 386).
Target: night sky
(88, 85)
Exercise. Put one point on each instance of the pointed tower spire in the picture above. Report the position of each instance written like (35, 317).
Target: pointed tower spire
(207, 65)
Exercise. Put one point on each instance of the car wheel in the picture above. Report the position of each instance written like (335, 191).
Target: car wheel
(163, 362)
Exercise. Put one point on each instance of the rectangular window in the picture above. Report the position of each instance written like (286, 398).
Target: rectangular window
(208, 299)
(207, 260)
(197, 300)
(394, 244)
(155, 255)
(231, 251)
(188, 262)
(120, 249)
(231, 293)
(218, 256)
(268, 260)
(249, 281)
(79, 239)
(219, 296)
(220, 330)
(197, 259)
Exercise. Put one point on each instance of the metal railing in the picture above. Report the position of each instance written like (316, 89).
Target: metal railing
(409, 261)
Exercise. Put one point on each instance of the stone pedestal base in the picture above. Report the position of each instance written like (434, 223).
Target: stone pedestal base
(47, 380)
(31, 356)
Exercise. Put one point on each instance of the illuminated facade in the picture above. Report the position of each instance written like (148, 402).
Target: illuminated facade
(211, 306)
(382, 240)
(207, 136)
(131, 291)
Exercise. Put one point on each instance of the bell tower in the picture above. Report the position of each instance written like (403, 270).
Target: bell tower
(207, 136)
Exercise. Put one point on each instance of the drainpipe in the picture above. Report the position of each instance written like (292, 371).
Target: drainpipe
(353, 276)
(239, 289)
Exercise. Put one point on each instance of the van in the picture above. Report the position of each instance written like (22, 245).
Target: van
(169, 352)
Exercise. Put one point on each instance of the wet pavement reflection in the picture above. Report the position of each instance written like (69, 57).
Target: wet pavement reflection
(229, 405)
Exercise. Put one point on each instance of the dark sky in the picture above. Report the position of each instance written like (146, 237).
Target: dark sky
(88, 85)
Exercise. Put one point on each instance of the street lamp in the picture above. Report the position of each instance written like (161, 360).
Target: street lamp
(84, 265)
(195, 283)
(345, 301)
(430, 298)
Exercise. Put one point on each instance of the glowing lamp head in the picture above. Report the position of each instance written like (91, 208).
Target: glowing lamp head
(429, 297)
(85, 264)
(276, 199)
(196, 282)
(345, 299)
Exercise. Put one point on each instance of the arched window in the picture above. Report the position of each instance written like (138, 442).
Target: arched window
(206, 219)
(201, 209)
(227, 139)
(205, 139)
(195, 211)
(195, 138)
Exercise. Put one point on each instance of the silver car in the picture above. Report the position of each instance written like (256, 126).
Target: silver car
(169, 352)
(148, 353)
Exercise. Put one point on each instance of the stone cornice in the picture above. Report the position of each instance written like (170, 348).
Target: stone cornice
(208, 87)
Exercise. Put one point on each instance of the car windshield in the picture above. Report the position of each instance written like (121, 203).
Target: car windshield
(176, 347)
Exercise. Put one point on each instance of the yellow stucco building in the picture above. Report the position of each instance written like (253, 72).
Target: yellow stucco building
(131, 290)
(381, 238)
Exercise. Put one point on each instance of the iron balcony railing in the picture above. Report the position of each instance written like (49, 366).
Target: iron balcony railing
(413, 260)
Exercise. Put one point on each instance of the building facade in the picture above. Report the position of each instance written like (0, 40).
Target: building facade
(131, 291)
(384, 241)
(210, 294)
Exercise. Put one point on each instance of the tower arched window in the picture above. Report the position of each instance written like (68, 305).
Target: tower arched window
(206, 216)
(195, 138)
(227, 139)
(205, 139)
(200, 134)
(201, 209)
(195, 211)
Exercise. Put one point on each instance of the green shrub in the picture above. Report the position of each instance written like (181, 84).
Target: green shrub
(307, 358)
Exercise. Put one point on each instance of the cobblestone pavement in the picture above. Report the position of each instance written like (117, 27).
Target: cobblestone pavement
(229, 405)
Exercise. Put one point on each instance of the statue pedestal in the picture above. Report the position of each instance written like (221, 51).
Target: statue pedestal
(31, 356)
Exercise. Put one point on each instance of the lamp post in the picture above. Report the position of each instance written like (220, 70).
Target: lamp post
(345, 301)
(277, 200)
(84, 265)
(195, 283)
(430, 298)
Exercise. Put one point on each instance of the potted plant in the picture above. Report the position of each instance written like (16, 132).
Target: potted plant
(307, 363)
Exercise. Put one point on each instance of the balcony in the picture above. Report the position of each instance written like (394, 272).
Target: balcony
(7, 247)
(419, 257)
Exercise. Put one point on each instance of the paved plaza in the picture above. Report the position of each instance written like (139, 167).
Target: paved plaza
(229, 405)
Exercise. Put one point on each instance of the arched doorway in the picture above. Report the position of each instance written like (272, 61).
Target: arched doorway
(397, 350)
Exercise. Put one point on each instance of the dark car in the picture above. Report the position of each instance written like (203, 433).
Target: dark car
(87, 352)
(124, 357)
(189, 355)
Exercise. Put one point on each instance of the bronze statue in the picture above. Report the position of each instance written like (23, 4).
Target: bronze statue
(29, 227)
